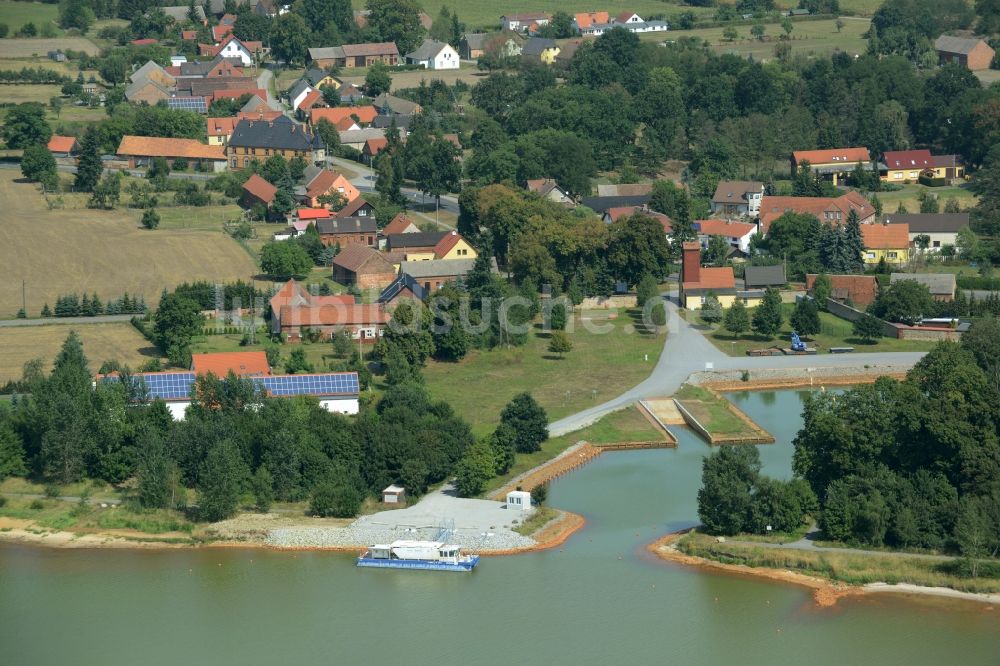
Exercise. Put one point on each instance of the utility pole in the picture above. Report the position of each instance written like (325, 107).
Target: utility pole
(24, 302)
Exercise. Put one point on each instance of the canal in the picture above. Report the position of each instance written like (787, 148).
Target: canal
(598, 599)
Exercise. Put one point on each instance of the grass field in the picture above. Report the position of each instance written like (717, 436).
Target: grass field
(101, 342)
(625, 425)
(852, 568)
(600, 367)
(711, 411)
(30, 48)
(72, 250)
(20, 93)
(412, 78)
(834, 332)
(16, 14)
(808, 37)
(909, 197)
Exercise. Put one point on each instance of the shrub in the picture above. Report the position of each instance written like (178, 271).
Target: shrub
(539, 494)
(36, 505)
(334, 500)
(52, 490)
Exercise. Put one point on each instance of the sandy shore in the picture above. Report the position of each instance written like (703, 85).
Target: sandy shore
(825, 592)
(801, 382)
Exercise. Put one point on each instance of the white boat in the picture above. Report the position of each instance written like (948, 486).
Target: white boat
(428, 555)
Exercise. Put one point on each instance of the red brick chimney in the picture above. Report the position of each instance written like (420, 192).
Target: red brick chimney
(691, 263)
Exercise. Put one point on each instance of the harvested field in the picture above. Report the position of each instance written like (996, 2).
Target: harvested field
(412, 78)
(27, 48)
(101, 342)
(63, 251)
(18, 94)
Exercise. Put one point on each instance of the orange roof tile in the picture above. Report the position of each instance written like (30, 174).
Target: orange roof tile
(366, 114)
(713, 278)
(886, 236)
(860, 289)
(313, 213)
(61, 144)
(236, 93)
(155, 146)
(375, 146)
(310, 100)
(446, 244)
(398, 225)
(242, 363)
(260, 188)
(220, 126)
(724, 228)
(345, 124)
(832, 156)
(586, 19)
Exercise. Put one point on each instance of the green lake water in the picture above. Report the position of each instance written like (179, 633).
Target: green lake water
(600, 599)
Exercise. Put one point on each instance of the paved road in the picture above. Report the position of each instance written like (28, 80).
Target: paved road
(365, 181)
(686, 351)
(102, 319)
(264, 82)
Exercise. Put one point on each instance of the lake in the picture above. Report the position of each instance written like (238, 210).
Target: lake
(598, 599)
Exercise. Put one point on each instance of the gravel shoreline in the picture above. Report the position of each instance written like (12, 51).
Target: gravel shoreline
(359, 535)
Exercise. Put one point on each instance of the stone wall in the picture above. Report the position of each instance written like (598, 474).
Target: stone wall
(838, 309)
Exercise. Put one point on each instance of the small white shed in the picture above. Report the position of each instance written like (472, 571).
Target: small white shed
(394, 495)
(519, 500)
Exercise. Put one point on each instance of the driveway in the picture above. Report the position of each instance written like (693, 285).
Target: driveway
(472, 515)
(686, 351)
(264, 82)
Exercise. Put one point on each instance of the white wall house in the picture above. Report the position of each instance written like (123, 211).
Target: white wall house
(234, 48)
(434, 55)
(518, 500)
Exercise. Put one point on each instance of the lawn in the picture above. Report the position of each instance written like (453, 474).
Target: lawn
(600, 367)
(67, 250)
(21, 93)
(31, 48)
(320, 354)
(909, 197)
(16, 14)
(101, 342)
(626, 425)
(808, 37)
(712, 411)
(834, 332)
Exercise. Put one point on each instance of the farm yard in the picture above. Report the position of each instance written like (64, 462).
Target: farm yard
(69, 250)
(101, 342)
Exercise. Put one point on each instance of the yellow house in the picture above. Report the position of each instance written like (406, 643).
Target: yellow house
(427, 246)
(542, 48)
(318, 78)
(947, 166)
(698, 282)
(886, 241)
(906, 166)
(453, 246)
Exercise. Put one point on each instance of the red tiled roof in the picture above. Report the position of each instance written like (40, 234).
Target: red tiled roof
(398, 225)
(832, 156)
(772, 207)
(145, 42)
(352, 207)
(375, 146)
(623, 17)
(446, 244)
(366, 114)
(260, 188)
(345, 124)
(258, 115)
(228, 19)
(189, 35)
(325, 181)
(908, 159)
(236, 93)
(886, 236)
(242, 363)
(370, 49)
(310, 100)
(220, 126)
(586, 19)
(155, 146)
(714, 278)
(355, 256)
(61, 144)
(859, 289)
(617, 212)
(724, 228)
(221, 31)
(313, 213)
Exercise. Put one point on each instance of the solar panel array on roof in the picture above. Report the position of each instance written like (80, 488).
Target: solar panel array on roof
(166, 386)
(188, 104)
(334, 384)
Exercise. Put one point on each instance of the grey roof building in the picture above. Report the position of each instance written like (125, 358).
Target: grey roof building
(387, 103)
(282, 133)
(536, 45)
(926, 223)
(347, 225)
(760, 277)
(436, 267)
(941, 285)
(422, 239)
(180, 13)
(600, 205)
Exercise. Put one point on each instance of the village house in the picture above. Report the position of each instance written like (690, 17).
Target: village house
(62, 146)
(948, 167)
(502, 44)
(614, 214)
(834, 210)
(737, 234)
(343, 231)
(254, 140)
(387, 104)
(428, 245)
(232, 47)
(401, 224)
(257, 192)
(350, 56)
(219, 130)
(905, 166)
(764, 277)
(294, 309)
(357, 207)
(738, 197)
(857, 290)
(550, 189)
(362, 115)
(319, 78)
(540, 48)
(941, 285)
(432, 54)
(833, 164)
(970, 52)
(242, 364)
(525, 22)
(372, 148)
(150, 83)
(940, 228)
(363, 266)
(327, 183)
(139, 151)
(597, 23)
(698, 282)
(890, 242)
(433, 274)
(298, 93)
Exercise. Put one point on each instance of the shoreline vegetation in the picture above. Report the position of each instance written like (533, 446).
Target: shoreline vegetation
(822, 572)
